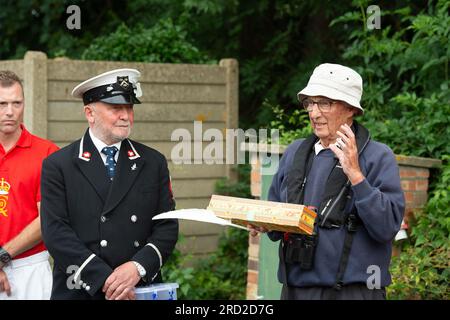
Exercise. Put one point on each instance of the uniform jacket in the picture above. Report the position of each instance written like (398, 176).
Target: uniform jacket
(91, 225)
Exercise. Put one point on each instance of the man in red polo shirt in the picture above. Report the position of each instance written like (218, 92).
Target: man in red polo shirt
(24, 268)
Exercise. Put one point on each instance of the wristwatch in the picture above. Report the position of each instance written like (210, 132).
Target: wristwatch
(140, 269)
(5, 257)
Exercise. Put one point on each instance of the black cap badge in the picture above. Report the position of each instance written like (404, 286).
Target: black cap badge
(123, 82)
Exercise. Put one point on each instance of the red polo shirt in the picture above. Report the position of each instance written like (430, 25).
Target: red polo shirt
(20, 190)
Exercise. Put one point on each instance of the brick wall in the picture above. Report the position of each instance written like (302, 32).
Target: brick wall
(414, 175)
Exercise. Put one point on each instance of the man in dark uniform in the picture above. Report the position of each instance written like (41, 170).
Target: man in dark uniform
(99, 195)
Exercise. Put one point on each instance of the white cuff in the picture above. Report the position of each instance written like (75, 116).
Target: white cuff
(160, 258)
(157, 251)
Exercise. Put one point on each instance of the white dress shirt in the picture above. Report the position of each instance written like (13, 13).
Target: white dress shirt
(318, 147)
(99, 144)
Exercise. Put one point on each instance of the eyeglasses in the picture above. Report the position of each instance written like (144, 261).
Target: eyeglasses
(323, 104)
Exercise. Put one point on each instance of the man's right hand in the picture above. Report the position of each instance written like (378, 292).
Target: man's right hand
(120, 284)
(254, 230)
(4, 283)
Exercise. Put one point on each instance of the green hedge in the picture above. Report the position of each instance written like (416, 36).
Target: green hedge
(163, 42)
(422, 270)
(222, 275)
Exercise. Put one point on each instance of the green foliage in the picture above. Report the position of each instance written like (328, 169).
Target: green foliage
(279, 42)
(292, 126)
(41, 25)
(405, 66)
(421, 130)
(175, 270)
(240, 188)
(422, 271)
(164, 42)
(222, 275)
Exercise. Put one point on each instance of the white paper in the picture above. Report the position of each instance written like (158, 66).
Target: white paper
(201, 215)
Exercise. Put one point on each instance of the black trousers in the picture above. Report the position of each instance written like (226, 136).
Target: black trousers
(349, 292)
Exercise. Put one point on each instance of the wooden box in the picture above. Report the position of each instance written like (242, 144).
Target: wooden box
(285, 217)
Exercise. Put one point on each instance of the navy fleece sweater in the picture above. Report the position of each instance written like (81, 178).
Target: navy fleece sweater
(379, 202)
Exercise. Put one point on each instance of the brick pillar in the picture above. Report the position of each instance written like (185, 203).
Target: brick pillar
(415, 185)
(252, 273)
(414, 175)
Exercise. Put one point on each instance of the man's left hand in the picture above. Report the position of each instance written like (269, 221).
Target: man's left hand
(4, 283)
(348, 154)
(255, 230)
(120, 284)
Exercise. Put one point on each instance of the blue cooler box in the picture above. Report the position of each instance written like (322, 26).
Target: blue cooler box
(157, 291)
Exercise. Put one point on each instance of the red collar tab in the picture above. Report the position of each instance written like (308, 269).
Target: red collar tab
(86, 155)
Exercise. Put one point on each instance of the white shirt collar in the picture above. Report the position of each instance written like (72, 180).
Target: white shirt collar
(318, 147)
(99, 144)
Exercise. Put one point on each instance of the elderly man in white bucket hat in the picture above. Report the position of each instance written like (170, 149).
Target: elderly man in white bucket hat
(352, 182)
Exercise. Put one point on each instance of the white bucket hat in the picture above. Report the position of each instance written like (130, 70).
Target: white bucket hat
(335, 82)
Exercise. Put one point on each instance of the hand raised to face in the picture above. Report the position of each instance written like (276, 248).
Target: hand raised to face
(346, 151)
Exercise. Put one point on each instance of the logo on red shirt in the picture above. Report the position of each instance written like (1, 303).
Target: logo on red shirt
(4, 191)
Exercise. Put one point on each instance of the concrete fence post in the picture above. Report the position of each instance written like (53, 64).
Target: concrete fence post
(35, 92)
(232, 105)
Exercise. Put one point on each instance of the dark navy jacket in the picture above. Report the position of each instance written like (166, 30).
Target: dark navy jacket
(379, 202)
(92, 225)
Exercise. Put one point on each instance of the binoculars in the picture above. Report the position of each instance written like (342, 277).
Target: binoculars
(300, 249)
